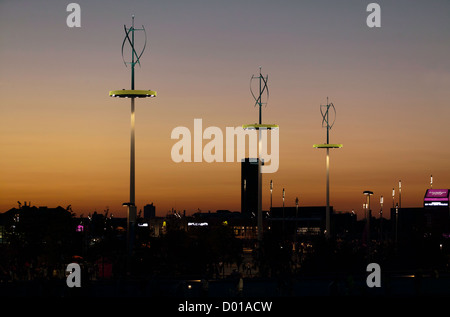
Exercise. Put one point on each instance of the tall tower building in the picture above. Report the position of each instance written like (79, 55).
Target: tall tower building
(149, 211)
(249, 186)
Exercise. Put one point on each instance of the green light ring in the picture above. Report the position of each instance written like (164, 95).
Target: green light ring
(132, 93)
(260, 126)
(327, 146)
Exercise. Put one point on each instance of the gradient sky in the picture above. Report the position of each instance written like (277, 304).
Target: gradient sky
(64, 141)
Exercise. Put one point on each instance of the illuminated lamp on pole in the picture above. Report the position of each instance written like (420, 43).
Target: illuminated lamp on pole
(368, 193)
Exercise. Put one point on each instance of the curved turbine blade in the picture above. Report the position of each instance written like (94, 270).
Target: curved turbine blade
(251, 91)
(133, 51)
(123, 43)
(143, 49)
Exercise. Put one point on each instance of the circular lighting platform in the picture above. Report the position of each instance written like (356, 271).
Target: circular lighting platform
(132, 93)
(260, 126)
(327, 146)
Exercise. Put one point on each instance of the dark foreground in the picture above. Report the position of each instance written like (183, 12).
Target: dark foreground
(394, 285)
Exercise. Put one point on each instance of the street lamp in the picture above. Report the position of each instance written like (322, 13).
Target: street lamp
(396, 224)
(295, 229)
(368, 193)
(400, 194)
(393, 197)
(381, 203)
(284, 193)
(381, 217)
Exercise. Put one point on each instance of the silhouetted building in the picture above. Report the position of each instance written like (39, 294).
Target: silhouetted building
(433, 219)
(244, 227)
(437, 210)
(149, 211)
(249, 186)
(407, 222)
(309, 221)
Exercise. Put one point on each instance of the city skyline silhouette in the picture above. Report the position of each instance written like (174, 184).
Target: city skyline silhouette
(65, 142)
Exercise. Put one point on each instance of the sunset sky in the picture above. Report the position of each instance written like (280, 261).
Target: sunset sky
(64, 141)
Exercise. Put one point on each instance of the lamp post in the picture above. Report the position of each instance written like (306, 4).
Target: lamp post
(393, 197)
(368, 193)
(283, 209)
(295, 233)
(296, 216)
(431, 181)
(381, 217)
(396, 225)
(400, 194)
(365, 215)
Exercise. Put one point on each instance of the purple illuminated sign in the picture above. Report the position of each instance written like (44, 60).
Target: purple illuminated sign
(436, 197)
(437, 193)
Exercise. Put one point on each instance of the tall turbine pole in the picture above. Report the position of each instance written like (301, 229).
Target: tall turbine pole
(263, 90)
(326, 123)
(132, 214)
(260, 215)
(132, 94)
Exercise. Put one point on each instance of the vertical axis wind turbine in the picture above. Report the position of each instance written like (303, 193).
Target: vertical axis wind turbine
(263, 89)
(327, 146)
(132, 94)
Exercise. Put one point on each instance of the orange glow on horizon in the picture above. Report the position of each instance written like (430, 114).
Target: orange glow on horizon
(64, 141)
